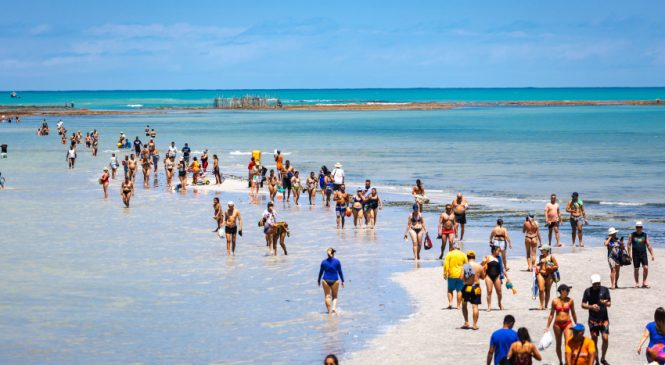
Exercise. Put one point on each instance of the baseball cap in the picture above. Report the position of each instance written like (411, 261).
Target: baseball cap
(470, 253)
(578, 327)
(639, 224)
(595, 278)
(230, 203)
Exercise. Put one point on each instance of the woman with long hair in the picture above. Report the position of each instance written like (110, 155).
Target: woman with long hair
(563, 316)
(523, 351)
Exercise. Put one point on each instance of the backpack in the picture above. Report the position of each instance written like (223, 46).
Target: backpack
(468, 271)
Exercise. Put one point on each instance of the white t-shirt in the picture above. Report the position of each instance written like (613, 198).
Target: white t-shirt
(173, 151)
(72, 153)
(338, 176)
(270, 217)
(60, 124)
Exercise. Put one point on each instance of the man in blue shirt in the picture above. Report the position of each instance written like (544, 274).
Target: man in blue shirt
(501, 340)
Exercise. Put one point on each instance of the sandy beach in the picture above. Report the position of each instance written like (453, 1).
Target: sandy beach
(433, 333)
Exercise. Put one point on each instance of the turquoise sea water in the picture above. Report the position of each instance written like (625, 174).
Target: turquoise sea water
(187, 98)
(85, 280)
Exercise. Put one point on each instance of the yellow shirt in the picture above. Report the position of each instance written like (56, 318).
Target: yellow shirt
(573, 348)
(453, 265)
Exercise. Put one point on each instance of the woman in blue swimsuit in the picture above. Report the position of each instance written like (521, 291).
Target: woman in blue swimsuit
(331, 272)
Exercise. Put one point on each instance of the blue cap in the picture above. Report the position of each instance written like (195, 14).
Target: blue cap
(578, 327)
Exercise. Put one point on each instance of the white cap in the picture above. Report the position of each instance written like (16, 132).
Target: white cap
(230, 203)
(612, 231)
(338, 165)
(639, 224)
(456, 245)
(595, 278)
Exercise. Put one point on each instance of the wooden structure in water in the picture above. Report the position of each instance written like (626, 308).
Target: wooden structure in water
(247, 102)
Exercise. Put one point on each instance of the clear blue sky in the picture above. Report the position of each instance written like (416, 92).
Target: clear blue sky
(61, 45)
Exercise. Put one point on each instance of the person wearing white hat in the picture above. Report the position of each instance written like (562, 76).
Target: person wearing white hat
(638, 244)
(337, 176)
(104, 182)
(596, 300)
(614, 251)
(232, 227)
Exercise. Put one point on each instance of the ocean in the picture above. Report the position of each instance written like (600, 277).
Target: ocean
(86, 280)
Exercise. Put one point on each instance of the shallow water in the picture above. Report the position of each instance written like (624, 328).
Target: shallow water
(85, 279)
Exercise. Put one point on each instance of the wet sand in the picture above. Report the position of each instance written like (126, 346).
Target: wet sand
(433, 334)
(34, 110)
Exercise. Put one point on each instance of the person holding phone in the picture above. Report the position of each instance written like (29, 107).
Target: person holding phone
(596, 300)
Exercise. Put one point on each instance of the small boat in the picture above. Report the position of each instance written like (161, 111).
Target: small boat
(13, 94)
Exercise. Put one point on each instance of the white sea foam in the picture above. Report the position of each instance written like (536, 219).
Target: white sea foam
(135, 105)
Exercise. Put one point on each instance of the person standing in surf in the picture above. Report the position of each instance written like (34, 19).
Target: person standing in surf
(418, 192)
(232, 227)
(460, 206)
(532, 239)
(126, 190)
(219, 214)
(416, 229)
(331, 273)
(341, 199)
(553, 218)
(577, 217)
(104, 182)
(311, 188)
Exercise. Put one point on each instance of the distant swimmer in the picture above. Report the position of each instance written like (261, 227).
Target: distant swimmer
(219, 214)
(373, 205)
(532, 239)
(499, 238)
(446, 229)
(114, 164)
(553, 218)
(104, 182)
(331, 273)
(460, 206)
(311, 188)
(471, 292)
(272, 185)
(251, 171)
(341, 199)
(71, 156)
(126, 190)
(358, 202)
(232, 227)
(418, 193)
(323, 172)
(577, 217)
(416, 229)
(215, 170)
(125, 167)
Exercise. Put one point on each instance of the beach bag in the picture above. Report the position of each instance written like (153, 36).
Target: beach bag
(624, 259)
(545, 341)
(428, 242)
(556, 276)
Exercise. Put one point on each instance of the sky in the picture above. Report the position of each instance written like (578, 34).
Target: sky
(94, 45)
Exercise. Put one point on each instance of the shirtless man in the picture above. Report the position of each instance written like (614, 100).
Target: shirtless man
(146, 164)
(132, 165)
(219, 215)
(447, 221)
(577, 217)
(232, 226)
(341, 199)
(460, 205)
(272, 185)
(126, 191)
(532, 239)
(553, 218)
(471, 293)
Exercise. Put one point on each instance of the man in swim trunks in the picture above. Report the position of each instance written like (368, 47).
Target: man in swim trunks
(232, 226)
(638, 244)
(597, 299)
(471, 292)
(553, 218)
(341, 199)
(577, 217)
(447, 229)
(126, 190)
(460, 205)
(454, 274)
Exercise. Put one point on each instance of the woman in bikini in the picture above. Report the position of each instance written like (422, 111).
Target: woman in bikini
(169, 165)
(311, 188)
(146, 163)
(532, 239)
(358, 202)
(546, 267)
(563, 310)
(415, 227)
(215, 170)
(296, 187)
(523, 352)
(373, 203)
(499, 237)
(272, 185)
(494, 272)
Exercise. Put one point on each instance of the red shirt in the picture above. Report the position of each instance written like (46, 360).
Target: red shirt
(251, 165)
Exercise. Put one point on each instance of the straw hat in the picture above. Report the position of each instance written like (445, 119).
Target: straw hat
(338, 165)
(612, 231)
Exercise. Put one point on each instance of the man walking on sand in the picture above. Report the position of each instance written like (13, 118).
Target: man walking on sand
(460, 206)
(501, 341)
(553, 218)
(471, 293)
(580, 350)
(638, 244)
(597, 299)
(453, 272)
(577, 217)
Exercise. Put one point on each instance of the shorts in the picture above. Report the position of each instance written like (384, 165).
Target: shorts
(640, 259)
(231, 230)
(552, 224)
(472, 294)
(455, 285)
(445, 232)
(598, 328)
(460, 218)
(340, 210)
(576, 221)
(500, 244)
(286, 183)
